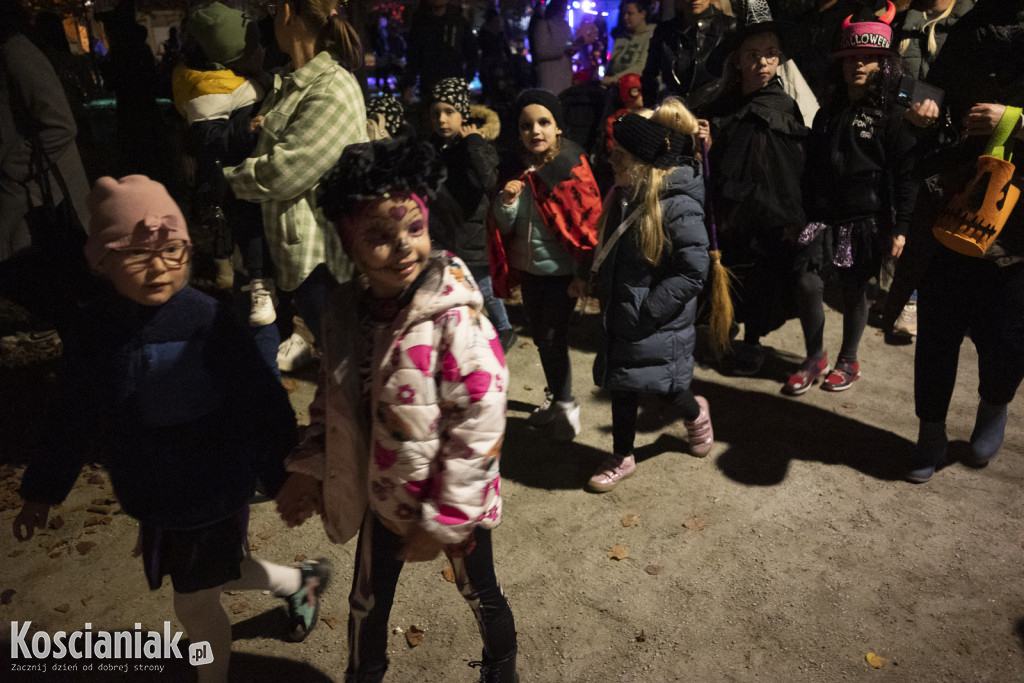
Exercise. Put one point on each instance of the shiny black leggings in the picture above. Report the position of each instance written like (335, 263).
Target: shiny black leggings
(373, 593)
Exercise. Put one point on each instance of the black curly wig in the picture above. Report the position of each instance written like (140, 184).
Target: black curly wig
(372, 170)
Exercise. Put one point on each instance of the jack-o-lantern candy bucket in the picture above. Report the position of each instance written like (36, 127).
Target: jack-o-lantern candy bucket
(974, 216)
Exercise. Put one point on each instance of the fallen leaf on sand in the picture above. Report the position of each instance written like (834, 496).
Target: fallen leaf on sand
(527, 387)
(86, 599)
(266, 534)
(654, 569)
(630, 519)
(694, 524)
(239, 606)
(874, 660)
(62, 608)
(448, 572)
(849, 406)
(7, 596)
(330, 620)
(56, 523)
(618, 552)
(290, 385)
(299, 558)
(85, 546)
(414, 636)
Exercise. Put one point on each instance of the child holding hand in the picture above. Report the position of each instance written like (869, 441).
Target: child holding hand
(408, 420)
(192, 416)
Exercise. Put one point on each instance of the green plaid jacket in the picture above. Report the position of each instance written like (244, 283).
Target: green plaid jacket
(309, 118)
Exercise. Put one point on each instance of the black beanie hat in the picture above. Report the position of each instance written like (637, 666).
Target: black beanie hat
(652, 143)
(544, 99)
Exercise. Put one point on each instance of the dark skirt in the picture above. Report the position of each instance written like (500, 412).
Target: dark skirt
(850, 253)
(196, 559)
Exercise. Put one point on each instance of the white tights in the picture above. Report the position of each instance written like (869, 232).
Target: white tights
(205, 620)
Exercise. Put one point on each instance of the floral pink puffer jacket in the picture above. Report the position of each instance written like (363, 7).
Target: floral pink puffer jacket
(430, 452)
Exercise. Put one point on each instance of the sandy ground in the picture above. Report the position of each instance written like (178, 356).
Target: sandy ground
(789, 554)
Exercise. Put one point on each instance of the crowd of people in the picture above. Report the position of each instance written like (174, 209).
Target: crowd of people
(397, 248)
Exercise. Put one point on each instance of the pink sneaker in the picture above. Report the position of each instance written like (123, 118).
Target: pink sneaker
(699, 432)
(614, 469)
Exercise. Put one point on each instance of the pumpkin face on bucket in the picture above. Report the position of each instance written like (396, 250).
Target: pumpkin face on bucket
(973, 218)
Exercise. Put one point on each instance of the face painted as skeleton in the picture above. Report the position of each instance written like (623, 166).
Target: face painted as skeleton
(391, 243)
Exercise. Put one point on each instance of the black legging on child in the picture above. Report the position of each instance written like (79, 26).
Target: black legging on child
(957, 294)
(810, 304)
(373, 593)
(548, 309)
(624, 407)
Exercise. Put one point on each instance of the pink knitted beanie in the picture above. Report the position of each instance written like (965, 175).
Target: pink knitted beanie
(131, 212)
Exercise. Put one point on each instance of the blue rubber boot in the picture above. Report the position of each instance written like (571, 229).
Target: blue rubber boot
(989, 429)
(929, 453)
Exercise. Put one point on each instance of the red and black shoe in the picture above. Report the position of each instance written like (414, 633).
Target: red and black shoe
(811, 371)
(842, 376)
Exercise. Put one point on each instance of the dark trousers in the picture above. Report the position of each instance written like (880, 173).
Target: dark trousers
(957, 294)
(624, 408)
(310, 297)
(548, 309)
(373, 593)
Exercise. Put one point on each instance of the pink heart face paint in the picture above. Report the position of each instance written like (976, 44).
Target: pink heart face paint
(392, 244)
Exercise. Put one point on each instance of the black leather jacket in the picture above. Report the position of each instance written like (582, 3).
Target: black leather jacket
(686, 56)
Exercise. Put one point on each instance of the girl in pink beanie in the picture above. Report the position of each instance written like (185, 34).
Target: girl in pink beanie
(192, 417)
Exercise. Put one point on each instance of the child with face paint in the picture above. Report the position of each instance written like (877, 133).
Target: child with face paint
(407, 424)
(545, 228)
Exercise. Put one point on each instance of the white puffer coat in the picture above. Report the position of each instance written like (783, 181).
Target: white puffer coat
(437, 413)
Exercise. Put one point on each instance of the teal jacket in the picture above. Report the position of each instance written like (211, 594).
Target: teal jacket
(530, 246)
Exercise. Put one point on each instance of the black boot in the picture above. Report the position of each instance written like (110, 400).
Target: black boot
(373, 675)
(498, 670)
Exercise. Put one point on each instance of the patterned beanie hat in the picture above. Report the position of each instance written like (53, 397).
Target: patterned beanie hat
(390, 108)
(453, 91)
(131, 212)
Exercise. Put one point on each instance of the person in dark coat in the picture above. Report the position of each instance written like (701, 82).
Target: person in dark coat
(859, 194)
(685, 53)
(757, 160)
(651, 264)
(441, 45)
(982, 74)
(458, 216)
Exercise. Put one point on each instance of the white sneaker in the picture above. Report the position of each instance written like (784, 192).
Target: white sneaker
(544, 413)
(906, 324)
(261, 302)
(293, 353)
(566, 422)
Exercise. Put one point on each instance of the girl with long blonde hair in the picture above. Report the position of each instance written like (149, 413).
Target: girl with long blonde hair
(650, 266)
